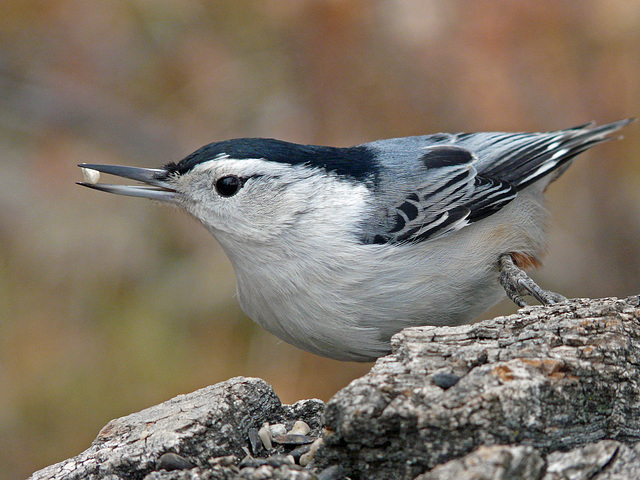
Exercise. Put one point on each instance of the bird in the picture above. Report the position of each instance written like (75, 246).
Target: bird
(336, 249)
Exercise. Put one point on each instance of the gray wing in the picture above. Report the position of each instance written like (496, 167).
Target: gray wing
(451, 197)
(466, 177)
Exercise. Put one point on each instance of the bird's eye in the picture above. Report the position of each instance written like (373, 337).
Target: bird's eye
(228, 186)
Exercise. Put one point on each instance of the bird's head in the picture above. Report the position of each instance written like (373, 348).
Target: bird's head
(253, 190)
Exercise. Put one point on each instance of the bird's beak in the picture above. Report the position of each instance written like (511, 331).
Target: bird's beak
(156, 188)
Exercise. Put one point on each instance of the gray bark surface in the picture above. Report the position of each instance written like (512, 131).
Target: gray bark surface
(207, 430)
(551, 378)
(548, 393)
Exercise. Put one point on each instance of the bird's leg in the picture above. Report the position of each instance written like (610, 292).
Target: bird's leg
(518, 284)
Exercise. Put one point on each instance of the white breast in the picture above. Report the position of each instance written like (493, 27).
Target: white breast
(330, 295)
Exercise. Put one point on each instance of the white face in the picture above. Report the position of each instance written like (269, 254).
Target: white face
(271, 199)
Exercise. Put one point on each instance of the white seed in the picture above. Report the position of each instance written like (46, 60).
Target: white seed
(278, 429)
(265, 436)
(306, 458)
(91, 176)
(299, 428)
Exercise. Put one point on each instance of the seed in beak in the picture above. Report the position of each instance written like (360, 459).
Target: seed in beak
(91, 176)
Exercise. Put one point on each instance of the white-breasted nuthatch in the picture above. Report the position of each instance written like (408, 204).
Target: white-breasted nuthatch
(337, 249)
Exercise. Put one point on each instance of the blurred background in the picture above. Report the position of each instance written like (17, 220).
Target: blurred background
(109, 305)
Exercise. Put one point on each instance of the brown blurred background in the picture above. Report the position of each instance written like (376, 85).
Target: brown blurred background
(109, 305)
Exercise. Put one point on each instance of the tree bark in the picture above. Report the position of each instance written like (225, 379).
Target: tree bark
(547, 393)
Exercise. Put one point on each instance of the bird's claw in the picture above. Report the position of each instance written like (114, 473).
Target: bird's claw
(518, 284)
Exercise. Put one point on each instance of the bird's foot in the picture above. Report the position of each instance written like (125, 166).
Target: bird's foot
(518, 284)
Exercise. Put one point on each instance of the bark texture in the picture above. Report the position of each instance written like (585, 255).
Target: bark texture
(548, 393)
(550, 378)
(204, 434)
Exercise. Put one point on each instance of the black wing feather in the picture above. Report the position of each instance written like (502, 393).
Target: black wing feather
(480, 174)
(454, 196)
(534, 156)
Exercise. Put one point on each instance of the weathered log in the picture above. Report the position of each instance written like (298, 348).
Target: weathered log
(551, 378)
(547, 393)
